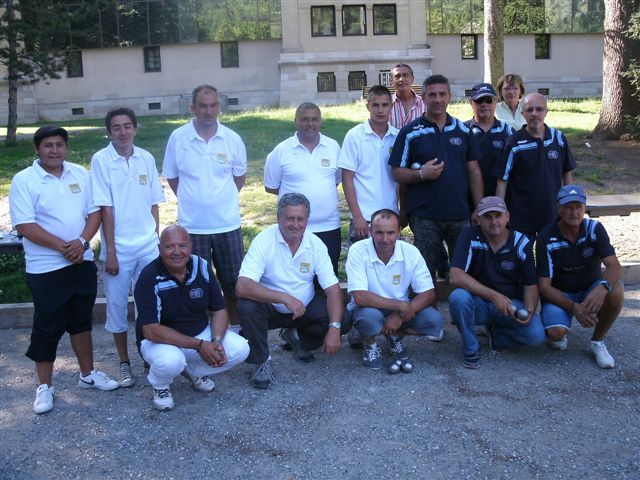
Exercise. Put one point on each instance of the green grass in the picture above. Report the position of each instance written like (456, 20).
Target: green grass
(13, 287)
(261, 129)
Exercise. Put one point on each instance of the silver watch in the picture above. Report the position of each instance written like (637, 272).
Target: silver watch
(336, 325)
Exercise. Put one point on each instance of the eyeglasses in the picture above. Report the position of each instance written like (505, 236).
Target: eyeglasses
(482, 100)
(534, 109)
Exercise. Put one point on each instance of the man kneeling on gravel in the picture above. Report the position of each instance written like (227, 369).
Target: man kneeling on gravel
(570, 276)
(182, 323)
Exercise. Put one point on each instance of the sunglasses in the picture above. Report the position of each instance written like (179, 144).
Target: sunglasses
(482, 100)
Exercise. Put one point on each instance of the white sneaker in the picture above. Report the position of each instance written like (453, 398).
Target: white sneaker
(436, 338)
(603, 357)
(99, 380)
(44, 398)
(200, 384)
(162, 399)
(559, 344)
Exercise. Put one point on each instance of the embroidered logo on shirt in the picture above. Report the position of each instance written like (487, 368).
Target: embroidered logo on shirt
(396, 279)
(196, 293)
(221, 158)
(325, 162)
(498, 143)
(587, 252)
(507, 265)
(455, 141)
(553, 154)
(305, 267)
(75, 187)
(142, 179)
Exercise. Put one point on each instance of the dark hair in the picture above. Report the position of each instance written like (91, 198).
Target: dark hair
(49, 131)
(378, 90)
(435, 80)
(509, 78)
(385, 213)
(403, 65)
(307, 106)
(293, 200)
(200, 88)
(120, 111)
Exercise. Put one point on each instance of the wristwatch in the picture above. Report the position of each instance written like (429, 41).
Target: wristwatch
(336, 325)
(85, 244)
(606, 284)
(216, 339)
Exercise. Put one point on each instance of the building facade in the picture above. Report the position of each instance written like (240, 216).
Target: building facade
(149, 54)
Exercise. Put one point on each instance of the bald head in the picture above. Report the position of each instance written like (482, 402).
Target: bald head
(174, 231)
(536, 98)
(534, 111)
(175, 250)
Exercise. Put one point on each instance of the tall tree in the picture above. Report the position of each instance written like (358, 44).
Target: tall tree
(493, 40)
(28, 31)
(619, 49)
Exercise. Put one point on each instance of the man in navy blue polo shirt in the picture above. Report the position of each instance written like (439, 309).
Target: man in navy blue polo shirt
(494, 271)
(436, 157)
(490, 133)
(571, 281)
(535, 163)
(182, 323)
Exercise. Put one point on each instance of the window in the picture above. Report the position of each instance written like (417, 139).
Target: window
(469, 44)
(233, 101)
(384, 20)
(384, 78)
(326, 82)
(229, 55)
(77, 111)
(155, 106)
(152, 59)
(323, 21)
(357, 80)
(543, 46)
(354, 20)
(74, 64)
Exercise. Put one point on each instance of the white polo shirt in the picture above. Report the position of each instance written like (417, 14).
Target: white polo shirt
(131, 188)
(290, 167)
(59, 205)
(367, 155)
(406, 267)
(270, 263)
(208, 200)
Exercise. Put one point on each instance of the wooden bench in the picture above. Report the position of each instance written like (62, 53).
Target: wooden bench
(10, 243)
(415, 88)
(610, 205)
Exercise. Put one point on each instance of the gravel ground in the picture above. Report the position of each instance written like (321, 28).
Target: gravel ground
(529, 413)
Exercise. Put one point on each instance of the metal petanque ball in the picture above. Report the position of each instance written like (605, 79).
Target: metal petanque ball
(520, 314)
(416, 166)
(407, 367)
(395, 367)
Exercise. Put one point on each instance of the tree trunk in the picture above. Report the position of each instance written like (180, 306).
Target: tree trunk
(12, 75)
(493, 40)
(619, 49)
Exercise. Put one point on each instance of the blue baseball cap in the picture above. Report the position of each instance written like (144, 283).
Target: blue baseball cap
(571, 193)
(482, 90)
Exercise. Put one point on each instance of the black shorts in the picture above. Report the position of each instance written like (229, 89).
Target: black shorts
(62, 302)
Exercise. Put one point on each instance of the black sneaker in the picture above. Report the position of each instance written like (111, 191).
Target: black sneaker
(354, 338)
(262, 376)
(396, 347)
(372, 356)
(299, 353)
(471, 361)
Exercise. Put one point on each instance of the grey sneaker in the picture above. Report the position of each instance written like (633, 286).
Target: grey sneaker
(126, 376)
(262, 376)
(44, 398)
(354, 338)
(200, 384)
(396, 347)
(162, 399)
(299, 353)
(372, 356)
(99, 380)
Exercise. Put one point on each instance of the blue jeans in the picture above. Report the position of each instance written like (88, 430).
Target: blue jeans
(555, 316)
(369, 321)
(468, 310)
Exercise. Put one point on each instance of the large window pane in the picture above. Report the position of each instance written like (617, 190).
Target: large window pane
(384, 20)
(84, 24)
(356, 80)
(323, 21)
(326, 82)
(134, 28)
(163, 21)
(109, 24)
(543, 46)
(524, 16)
(354, 20)
(188, 25)
(229, 55)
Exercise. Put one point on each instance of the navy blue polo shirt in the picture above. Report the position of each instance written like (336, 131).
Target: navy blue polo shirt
(506, 271)
(491, 144)
(161, 298)
(533, 169)
(573, 267)
(420, 141)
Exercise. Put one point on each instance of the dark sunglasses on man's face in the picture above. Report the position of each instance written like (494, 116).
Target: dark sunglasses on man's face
(482, 100)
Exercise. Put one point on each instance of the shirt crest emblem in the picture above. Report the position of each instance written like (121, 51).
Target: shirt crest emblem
(396, 279)
(325, 162)
(75, 188)
(553, 154)
(142, 179)
(221, 158)
(305, 267)
(455, 141)
(196, 293)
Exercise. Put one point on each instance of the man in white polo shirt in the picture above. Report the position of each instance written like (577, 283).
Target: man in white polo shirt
(51, 207)
(276, 290)
(308, 162)
(127, 189)
(380, 271)
(205, 164)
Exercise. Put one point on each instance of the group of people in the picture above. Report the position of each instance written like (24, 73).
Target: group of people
(409, 163)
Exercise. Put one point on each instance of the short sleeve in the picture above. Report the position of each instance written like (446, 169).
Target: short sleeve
(272, 171)
(254, 261)
(239, 162)
(462, 252)
(169, 165)
(421, 280)
(356, 267)
(348, 159)
(148, 304)
(21, 205)
(323, 265)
